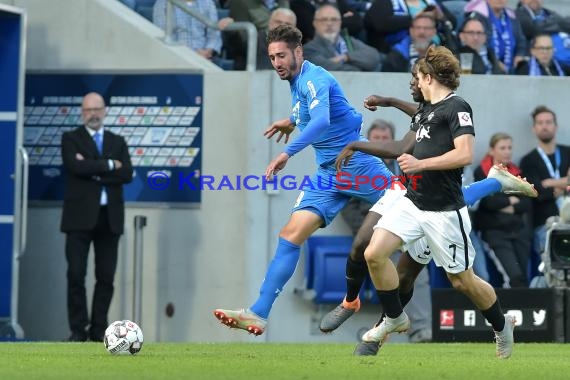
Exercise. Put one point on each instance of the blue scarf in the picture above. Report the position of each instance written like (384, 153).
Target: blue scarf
(534, 68)
(484, 54)
(503, 38)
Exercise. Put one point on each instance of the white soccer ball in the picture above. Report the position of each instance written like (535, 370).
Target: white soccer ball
(123, 337)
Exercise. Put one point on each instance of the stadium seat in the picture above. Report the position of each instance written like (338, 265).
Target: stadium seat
(325, 265)
(437, 277)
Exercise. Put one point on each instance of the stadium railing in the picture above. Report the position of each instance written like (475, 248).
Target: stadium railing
(247, 27)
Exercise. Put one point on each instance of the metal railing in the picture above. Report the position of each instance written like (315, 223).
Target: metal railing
(248, 27)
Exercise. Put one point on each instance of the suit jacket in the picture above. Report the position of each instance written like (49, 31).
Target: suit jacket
(86, 178)
(360, 58)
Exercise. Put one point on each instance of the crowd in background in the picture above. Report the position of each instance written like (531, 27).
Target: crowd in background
(383, 35)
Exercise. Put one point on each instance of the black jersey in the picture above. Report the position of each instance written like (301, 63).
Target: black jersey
(415, 124)
(436, 126)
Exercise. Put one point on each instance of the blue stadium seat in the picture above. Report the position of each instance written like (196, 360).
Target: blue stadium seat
(325, 266)
(437, 277)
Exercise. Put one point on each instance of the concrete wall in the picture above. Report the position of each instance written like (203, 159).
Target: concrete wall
(216, 256)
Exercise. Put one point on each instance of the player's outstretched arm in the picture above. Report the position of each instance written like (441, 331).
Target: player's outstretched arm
(374, 101)
(386, 149)
(284, 127)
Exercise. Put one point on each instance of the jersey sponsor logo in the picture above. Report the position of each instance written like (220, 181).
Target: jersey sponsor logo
(464, 119)
(312, 89)
(422, 132)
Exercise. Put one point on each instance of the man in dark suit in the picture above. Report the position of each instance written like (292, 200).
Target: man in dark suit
(334, 51)
(97, 164)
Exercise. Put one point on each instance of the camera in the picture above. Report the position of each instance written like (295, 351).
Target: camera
(556, 255)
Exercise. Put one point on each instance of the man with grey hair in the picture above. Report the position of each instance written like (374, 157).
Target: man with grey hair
(280, 16)
(383, 130)
(338, 51)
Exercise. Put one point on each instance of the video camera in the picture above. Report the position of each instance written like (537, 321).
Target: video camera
(556, 255)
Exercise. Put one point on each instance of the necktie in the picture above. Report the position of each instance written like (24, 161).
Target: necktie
(98, 141)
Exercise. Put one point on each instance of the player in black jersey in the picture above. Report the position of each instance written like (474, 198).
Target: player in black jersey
(434, 207)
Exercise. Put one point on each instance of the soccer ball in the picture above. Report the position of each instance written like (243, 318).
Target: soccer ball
(123, 337)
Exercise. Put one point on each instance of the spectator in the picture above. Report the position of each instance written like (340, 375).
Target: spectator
(387, 22)
(501, 217)
(404, 54)
(473, 39)
(205, 41)
(547, 168)
(255, 11)
(305, 10)
(542, 62)
(258, 13)
(535, 19)
(382, 130)
(456, 8)
(97, 164)
(504, 32)
(280, 16)
(336, 52)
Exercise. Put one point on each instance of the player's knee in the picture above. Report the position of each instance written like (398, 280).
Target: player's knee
(292, 234)
(358, 247)
(457, 283)
(373, 257)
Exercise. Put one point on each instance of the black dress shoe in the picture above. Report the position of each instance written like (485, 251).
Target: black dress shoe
(96, 337)
(96, 334)
(78, 336)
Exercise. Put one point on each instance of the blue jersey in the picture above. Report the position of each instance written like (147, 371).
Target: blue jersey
(323, 115)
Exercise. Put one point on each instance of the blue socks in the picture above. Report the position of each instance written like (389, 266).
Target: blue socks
(279, 272)
(480, 189)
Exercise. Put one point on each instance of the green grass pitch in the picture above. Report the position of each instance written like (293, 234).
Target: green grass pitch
(238, 361)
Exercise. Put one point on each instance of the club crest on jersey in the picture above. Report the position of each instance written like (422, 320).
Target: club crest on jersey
(422, 132)
(464, 119)
(430, 116)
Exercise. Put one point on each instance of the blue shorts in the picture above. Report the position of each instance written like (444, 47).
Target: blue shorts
(366, 177)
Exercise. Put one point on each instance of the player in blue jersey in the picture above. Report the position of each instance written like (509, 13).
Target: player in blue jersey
(328, 123)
